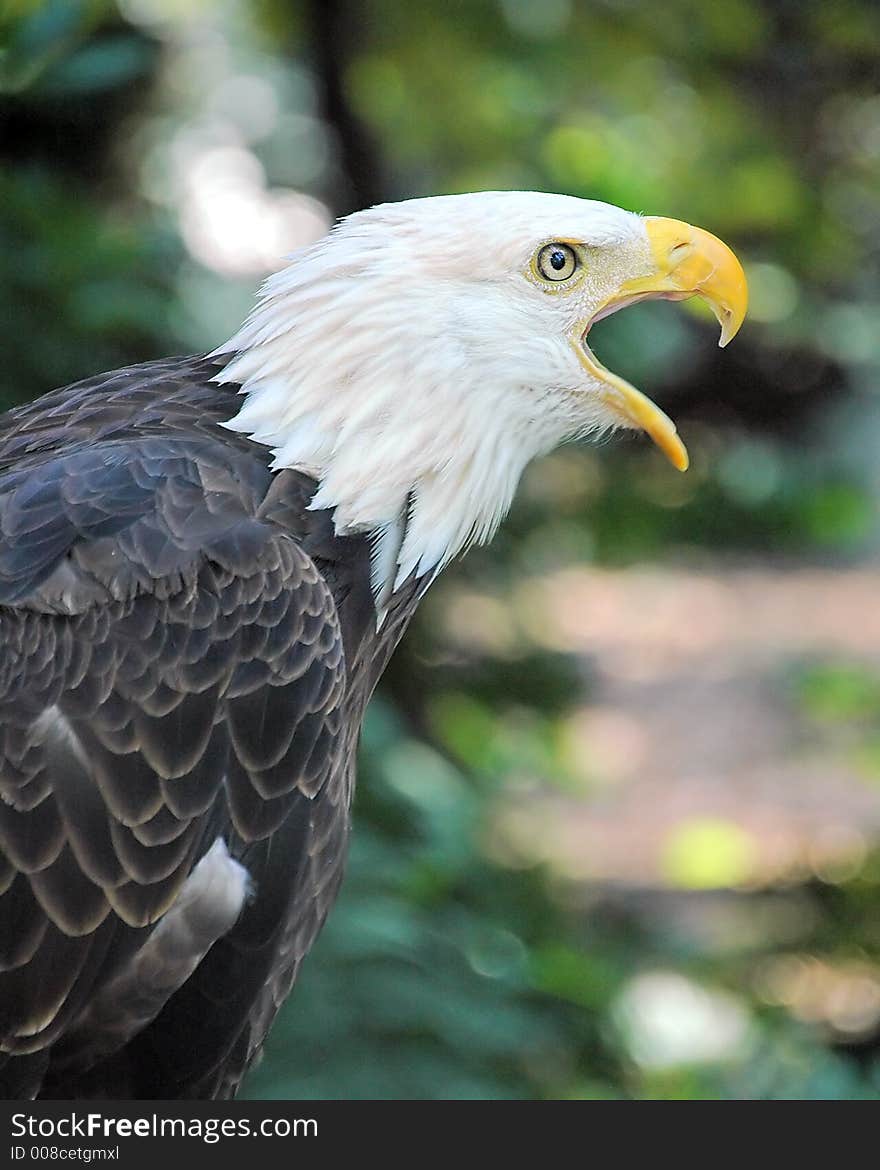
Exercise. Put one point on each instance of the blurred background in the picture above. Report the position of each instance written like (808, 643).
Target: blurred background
(618, 822)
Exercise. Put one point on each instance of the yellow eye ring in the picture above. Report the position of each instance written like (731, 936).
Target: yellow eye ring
(556, 262)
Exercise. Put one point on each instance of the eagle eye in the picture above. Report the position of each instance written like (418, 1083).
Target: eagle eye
(556, 262)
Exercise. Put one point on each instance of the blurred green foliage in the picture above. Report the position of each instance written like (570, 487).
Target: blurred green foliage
(450, 968)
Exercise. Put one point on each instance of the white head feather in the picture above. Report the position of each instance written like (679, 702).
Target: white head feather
(411, 363)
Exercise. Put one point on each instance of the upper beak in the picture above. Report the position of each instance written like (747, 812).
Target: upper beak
(691, 262)
(687, 261)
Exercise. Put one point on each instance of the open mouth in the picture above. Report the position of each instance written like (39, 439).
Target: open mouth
(689, 262)
(632, 407)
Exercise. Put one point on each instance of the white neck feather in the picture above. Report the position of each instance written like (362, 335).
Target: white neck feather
(408, 400)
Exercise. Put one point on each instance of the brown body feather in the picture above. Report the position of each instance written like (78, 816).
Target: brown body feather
(187, 655)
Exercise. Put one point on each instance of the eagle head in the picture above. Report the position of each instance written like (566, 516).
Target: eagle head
(420, 355)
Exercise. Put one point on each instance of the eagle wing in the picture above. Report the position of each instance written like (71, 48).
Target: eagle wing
(174, 764)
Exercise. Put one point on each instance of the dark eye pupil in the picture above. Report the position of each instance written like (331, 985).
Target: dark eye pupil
(557, 260)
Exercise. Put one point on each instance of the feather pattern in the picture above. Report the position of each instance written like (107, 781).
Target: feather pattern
(188, 650)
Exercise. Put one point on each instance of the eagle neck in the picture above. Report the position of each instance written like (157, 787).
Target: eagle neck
(423, 473)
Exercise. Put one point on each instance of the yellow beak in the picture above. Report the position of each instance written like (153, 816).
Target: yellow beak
(687, 262)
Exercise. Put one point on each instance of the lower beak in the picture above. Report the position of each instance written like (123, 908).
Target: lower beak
(686, 262)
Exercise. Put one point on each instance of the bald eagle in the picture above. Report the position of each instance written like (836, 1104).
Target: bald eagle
(205, 564)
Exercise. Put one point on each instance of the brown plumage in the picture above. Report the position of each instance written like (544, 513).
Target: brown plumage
(187, 655)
